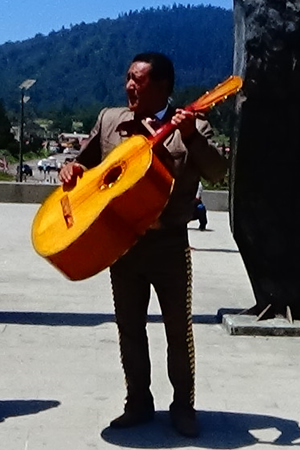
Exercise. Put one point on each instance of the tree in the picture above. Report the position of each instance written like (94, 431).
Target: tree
(6, 136)
(63, 120)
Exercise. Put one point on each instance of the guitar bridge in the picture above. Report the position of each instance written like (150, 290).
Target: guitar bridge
(66, 210)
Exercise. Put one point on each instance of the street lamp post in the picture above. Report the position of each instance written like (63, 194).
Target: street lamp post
(24, 86)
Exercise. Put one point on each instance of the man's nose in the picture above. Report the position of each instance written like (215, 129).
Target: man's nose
(130, 84)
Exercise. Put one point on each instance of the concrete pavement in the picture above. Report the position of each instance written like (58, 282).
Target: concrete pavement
(61, 381)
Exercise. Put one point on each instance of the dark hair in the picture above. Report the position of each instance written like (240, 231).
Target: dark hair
(161, 67)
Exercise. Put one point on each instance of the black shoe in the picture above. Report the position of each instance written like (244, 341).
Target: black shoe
(202, 227)
(184, 421)
(132, 418)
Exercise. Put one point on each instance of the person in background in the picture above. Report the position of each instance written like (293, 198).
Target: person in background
(200, 212)
(161, 258)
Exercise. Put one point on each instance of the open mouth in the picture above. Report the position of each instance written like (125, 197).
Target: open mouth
(132, 98)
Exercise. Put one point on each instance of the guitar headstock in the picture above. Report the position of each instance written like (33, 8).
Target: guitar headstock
(228, 87)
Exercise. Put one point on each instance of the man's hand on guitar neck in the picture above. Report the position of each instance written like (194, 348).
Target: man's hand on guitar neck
(69, 173)
(185, 121)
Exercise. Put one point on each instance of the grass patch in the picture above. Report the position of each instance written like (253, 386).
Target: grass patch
(6, 177)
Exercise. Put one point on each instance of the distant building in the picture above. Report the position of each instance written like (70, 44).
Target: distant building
(74, 140)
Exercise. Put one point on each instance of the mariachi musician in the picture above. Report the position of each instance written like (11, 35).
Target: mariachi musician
(161, 257)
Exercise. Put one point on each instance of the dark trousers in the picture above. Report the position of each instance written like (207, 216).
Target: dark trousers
(200, 214)
(162, 259)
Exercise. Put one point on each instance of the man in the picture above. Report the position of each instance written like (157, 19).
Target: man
(161, 257)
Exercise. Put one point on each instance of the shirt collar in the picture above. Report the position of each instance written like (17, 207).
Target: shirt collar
(160, 114)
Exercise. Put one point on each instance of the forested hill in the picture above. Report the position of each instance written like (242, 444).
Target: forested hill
(86, 64)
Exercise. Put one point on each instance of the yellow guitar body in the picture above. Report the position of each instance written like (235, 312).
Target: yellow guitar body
(86, 229)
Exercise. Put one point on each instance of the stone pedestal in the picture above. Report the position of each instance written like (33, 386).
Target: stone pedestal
(265, 180)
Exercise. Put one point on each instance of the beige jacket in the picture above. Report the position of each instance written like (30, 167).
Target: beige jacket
(191, 159)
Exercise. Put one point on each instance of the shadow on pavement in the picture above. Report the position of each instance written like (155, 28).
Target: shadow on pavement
(82, 319)
(219, 430)
(14, 408)
(214, 250)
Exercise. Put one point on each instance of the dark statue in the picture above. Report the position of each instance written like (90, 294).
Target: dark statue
(265, 181)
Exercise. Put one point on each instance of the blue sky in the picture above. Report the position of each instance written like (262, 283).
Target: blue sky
(20, 20)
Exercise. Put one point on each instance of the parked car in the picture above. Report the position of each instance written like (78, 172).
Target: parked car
(48, 164)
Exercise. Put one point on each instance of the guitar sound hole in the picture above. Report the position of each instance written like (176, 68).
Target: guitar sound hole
(112, 176)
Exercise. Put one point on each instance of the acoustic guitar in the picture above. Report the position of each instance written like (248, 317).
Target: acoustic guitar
(85, 229)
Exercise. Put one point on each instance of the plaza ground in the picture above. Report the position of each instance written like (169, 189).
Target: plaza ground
(61, 380)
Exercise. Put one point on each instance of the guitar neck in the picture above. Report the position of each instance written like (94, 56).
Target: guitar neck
(162, 133)
(228, 87)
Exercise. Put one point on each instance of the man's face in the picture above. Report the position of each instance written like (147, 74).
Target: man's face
(145, 96)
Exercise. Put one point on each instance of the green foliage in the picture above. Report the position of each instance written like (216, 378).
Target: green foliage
(220, 186)
(221, 117)
(13, 148)
(41, 153)
(187, 95)
(6, 137)
(62, 123)
(6, 177)
(8, 156)
(86, 64)
(32, 144)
